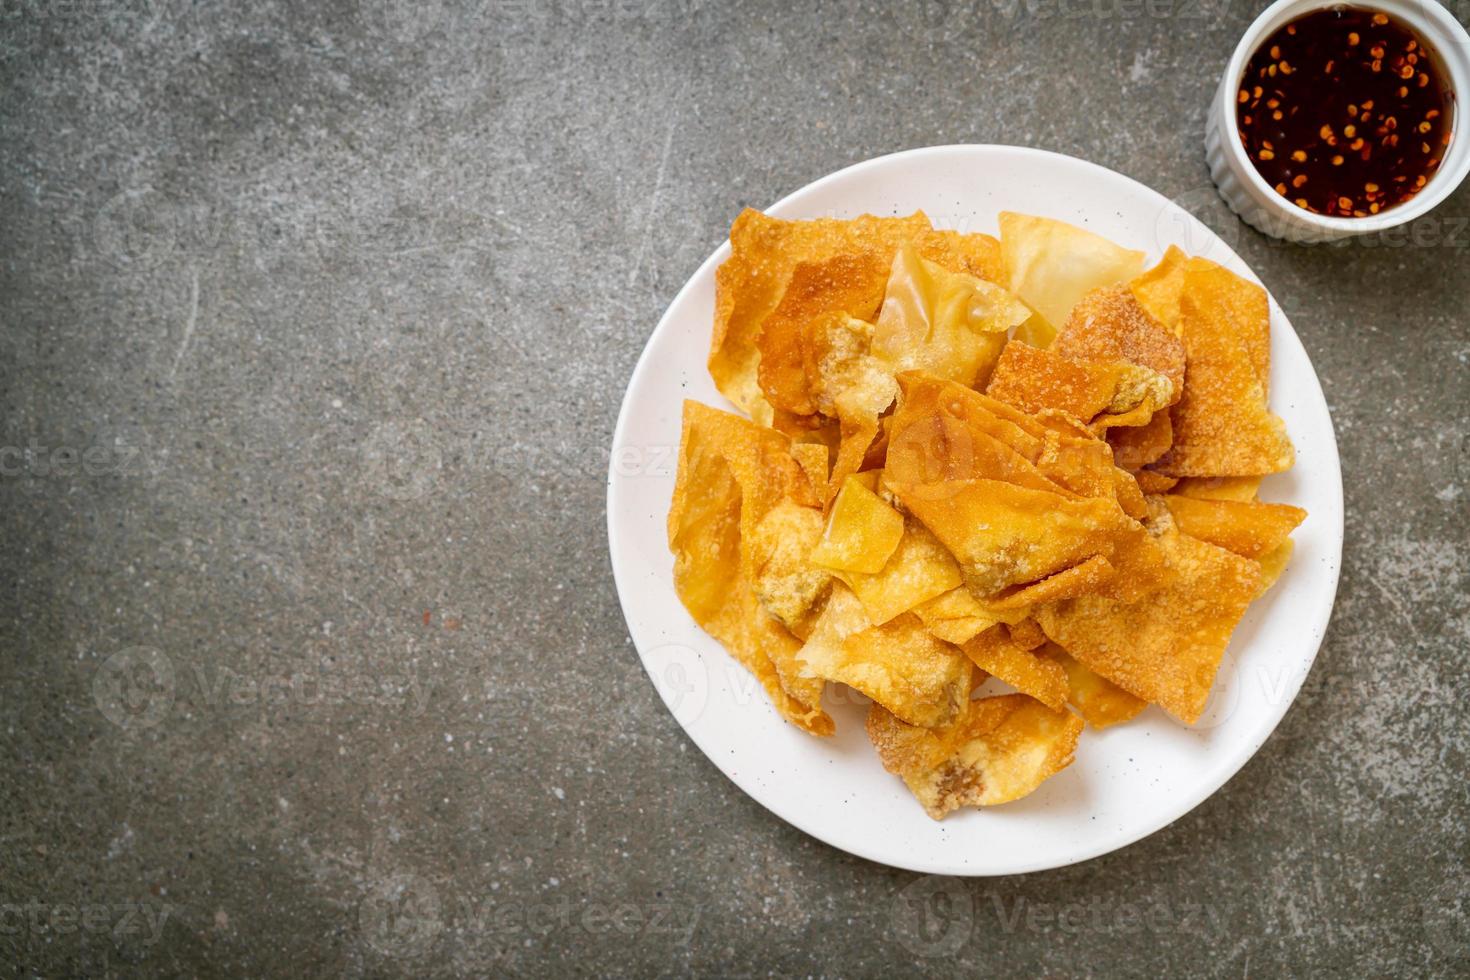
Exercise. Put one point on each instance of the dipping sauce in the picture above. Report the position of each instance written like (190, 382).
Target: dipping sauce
(1345, 112)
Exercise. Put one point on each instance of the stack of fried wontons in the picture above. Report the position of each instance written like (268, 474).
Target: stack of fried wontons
(1028, 458)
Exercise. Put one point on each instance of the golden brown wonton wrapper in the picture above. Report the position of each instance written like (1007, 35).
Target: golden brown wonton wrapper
(1249, 528)
(948, 324)
(1109, 325)
(1099, 701)
(1136, 447)
(994, 652)
(1222, 426)
(1026, 634)
(1166, 647)
(1243, 488)
(764, 253)
(1014, 498)
(814, 459)
(1004, 534)
(797, 336)
(861, 533)
(1274, 562)
(999, 749)
(736, 503)
(968, 252)
(854, 387)
(898, 664)
(1157, 290)
(1101, 394)
(1051, 264)
(1151, 483)
(956, 616)
(920, 569)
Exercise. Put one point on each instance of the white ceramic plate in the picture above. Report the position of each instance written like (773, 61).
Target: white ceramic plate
(1127, 781)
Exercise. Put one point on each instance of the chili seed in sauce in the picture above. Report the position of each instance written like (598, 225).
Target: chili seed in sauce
(1345, 112)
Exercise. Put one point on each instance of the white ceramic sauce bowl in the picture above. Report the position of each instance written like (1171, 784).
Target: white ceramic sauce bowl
(1247, 192)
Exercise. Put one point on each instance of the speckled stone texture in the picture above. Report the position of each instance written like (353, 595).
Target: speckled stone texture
(316, 318)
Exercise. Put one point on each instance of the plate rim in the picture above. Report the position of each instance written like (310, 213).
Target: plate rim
(1317, 627)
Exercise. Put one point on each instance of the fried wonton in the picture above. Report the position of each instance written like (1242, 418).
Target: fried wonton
(918, 570)
(764, 253)
(970, 253)
(737, 487)
(1051, 264)
(1015, 499)
(1222, 426)
(1078, 460)
(861, 531)
(1242, 488)
(1084, 578)
(956, 616)
(1005, 535)
(1165, 647)
(854, 387)
(1026, 634)
(788, 584)
(1151, 483)
(994, 652)
(1274, 562)
(1099, 701)
(795, 338)
(1035, 332)
(815, 459)
(1157, 290)
(1109, 325)
(943, 321)
(1137, 446)
(1101, 394)
(948, 324)
(898, 664)
(1251, 529)
(770, 256)
(999, 749)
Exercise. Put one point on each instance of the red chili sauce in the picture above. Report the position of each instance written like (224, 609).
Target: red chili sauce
(1345, 112)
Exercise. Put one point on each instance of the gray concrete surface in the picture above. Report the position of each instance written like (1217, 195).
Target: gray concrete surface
(316, 318)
